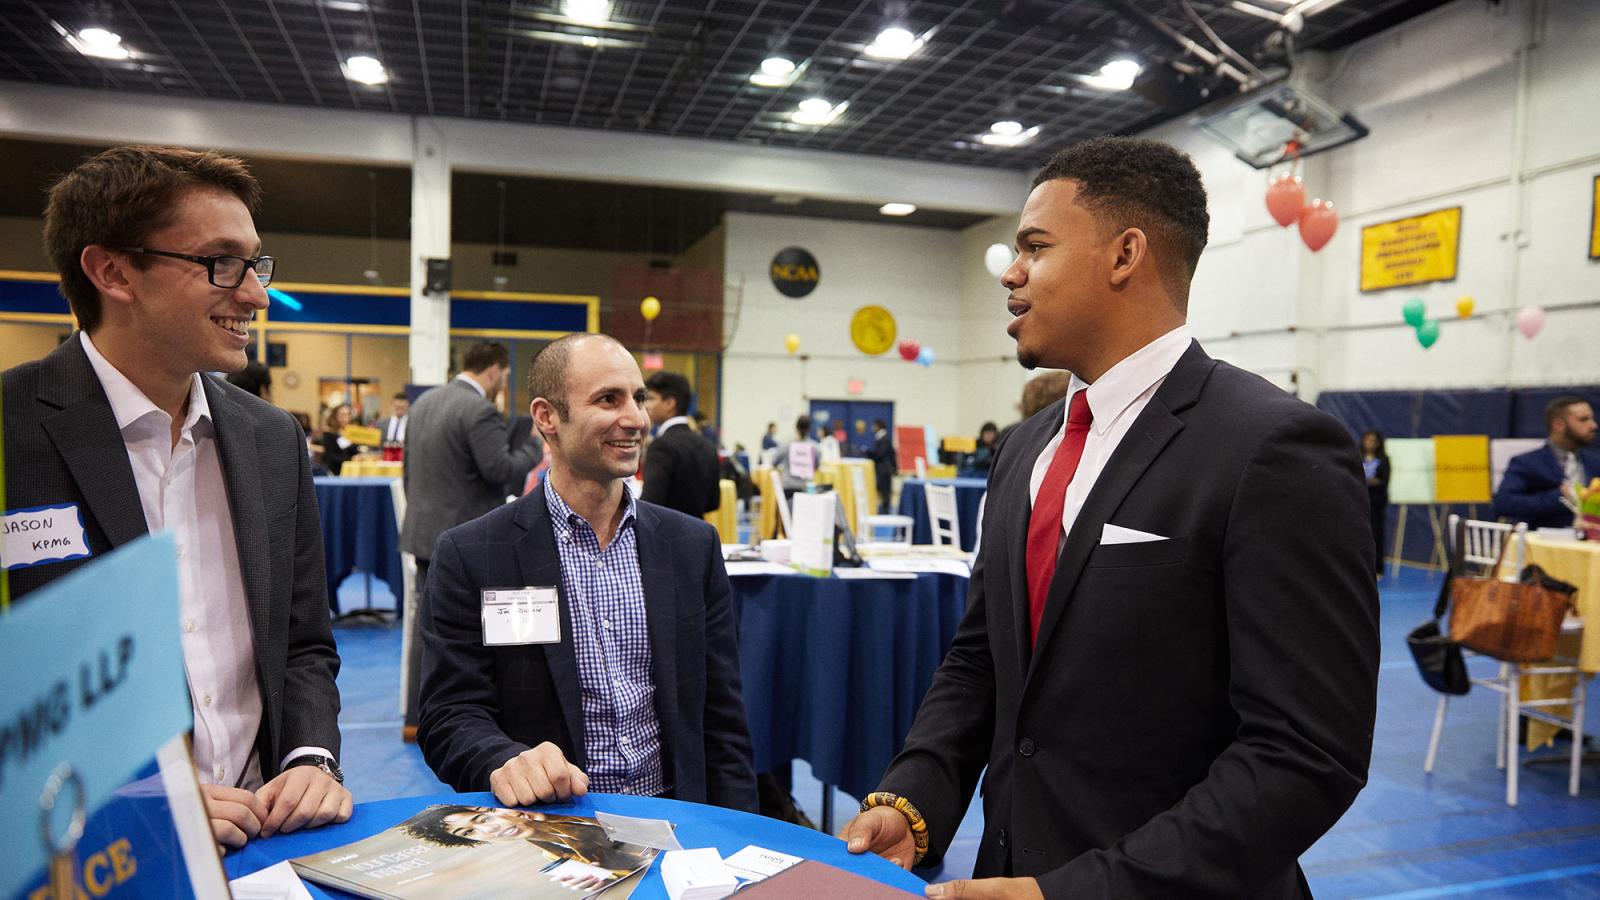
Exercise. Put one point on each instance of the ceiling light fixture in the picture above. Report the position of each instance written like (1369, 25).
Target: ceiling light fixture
(998, 139)
(1116, 75)
(898, 209)
(1008, 128)
(365, 70)
(894, 42)
(817, 111)
(588, 12)
(776, 72)
(99, 43)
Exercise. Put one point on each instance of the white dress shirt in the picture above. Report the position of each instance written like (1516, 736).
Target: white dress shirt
(397, 429)
(462, 376)
(675, 420)
(1115, 401)
(182, 490)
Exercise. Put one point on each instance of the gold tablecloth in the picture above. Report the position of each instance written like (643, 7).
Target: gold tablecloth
(838, 475)
(358, 468)
(1577, 563)
(726, 516)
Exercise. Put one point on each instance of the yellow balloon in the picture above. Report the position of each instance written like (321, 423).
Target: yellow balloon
(1464, 307)
(649, 307)
(792, 343)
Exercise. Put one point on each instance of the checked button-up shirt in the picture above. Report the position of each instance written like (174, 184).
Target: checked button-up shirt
(621, 733)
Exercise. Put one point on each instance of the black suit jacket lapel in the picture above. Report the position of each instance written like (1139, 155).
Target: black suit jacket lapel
(236, 449)
(540, 564)
(85, 433)
(660, 607)
(1157, 424)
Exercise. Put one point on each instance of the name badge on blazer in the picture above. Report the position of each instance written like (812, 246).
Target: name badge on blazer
(516, 616)
(42, 534)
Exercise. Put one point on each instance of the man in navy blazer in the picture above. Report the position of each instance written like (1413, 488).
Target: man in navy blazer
(635, 688)
(1532, 487)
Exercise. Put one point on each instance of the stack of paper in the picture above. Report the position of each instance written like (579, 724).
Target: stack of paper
(697, 875)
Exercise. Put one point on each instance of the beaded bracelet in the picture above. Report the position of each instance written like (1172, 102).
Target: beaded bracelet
(919, 828)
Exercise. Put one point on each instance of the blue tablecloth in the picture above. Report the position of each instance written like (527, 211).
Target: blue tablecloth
(359, 532)
(698, 826)
(914, 503)
(834, 670)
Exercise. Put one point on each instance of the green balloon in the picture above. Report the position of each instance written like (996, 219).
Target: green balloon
(1427, 333)
(1415, 311)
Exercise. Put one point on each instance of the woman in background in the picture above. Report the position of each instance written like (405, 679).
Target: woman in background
(336, 448)
(984, 453)
(1375, 465)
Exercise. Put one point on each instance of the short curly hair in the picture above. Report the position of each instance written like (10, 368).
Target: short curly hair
(1139, 183)
(117, 197)
(429, 826)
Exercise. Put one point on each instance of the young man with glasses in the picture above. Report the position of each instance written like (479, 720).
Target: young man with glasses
(161, 264)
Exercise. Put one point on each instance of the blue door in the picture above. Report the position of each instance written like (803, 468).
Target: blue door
(855, 417)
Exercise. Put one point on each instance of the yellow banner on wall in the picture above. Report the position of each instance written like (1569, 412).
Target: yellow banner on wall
(1414, 250)
(1594, 222)
(1461, 468)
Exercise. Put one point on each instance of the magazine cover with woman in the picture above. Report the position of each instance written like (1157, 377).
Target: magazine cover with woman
(451, 851)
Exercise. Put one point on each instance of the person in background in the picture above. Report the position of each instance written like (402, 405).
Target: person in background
(981, 456)
(1375, 466)
(770, 439)
(829, 444)
(800, 451)
(1537, 485)
(1039, 392)
(708, 430)
(393, 426)
(256, 378)
(336, 448)
(681, 470)
(883, 462)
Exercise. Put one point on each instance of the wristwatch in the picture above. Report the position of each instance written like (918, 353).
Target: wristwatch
(325, 763)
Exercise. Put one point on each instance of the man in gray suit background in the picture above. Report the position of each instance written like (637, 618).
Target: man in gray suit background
(458, 465)
(160, 261)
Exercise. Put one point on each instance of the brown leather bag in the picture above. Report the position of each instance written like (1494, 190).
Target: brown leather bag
(1516, 621)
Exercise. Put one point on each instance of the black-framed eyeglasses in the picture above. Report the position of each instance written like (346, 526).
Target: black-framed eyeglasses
(222, 271)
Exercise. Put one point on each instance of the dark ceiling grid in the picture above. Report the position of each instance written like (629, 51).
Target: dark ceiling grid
(333, 45)
(177, 61)
(294, 52)
(765, 114)
(721, 63)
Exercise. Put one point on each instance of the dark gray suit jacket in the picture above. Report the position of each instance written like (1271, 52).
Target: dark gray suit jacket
(481, 706)
(62, 446)
(458, 463)
(1198, 710)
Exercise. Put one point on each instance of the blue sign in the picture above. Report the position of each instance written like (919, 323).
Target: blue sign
(93, 673)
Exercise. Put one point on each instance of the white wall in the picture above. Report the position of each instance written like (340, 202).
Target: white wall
(913, 272)
(1441, 96)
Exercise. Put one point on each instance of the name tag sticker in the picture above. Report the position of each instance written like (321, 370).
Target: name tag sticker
(42, 534)
(513, 616)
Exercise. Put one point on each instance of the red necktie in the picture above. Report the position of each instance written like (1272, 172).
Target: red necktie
(1044, 525)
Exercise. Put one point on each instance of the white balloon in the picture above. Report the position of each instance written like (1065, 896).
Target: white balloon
(997, 259)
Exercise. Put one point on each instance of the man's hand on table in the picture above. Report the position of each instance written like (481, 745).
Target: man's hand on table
(302, 797)
(539, 775)
(236, 814)
(884, 831)
(987, 889)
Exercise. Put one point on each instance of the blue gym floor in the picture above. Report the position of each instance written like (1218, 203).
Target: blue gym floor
(1408, 835)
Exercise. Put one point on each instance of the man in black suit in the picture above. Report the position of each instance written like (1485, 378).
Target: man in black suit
(681, 470)
(1169, 660)
(160, 261)
(1534, 482)
(883, 462)
(630, 681)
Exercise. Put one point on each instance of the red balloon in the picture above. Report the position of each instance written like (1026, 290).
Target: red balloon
(1285, 196)
(909, 350)
(1318, 222)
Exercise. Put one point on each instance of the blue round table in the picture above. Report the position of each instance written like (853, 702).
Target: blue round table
(359, 531)
(914, 503)
(698, 826)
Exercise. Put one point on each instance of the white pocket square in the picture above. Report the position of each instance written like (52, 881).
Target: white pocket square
(1116, 534)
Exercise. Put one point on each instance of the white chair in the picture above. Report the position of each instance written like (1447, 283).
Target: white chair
(785, 520)
(922, 468)
(868, 522)
(942, 521)
(1481, 544)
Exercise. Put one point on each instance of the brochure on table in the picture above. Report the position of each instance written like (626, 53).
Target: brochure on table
(94, 692)
(812, 549)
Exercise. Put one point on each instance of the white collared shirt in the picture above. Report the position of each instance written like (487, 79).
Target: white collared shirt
(462, 376)
(1115, 401)
(182, 489)
(675, 420)
(397, 429)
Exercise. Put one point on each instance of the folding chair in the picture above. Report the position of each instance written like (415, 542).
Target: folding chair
(781, 501)
(942, 520)
(868, 522)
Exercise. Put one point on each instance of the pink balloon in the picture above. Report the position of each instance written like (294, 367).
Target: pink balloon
(909, 350)
(1318, 222)
(1530, 319)
(1285, 196)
